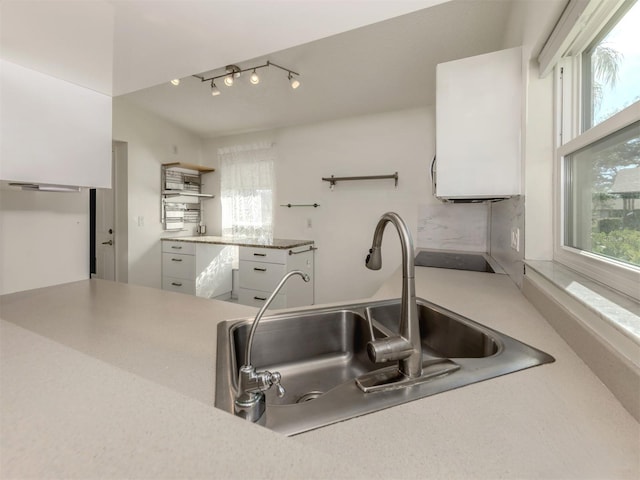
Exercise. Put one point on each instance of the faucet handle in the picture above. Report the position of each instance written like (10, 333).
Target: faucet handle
(274, 380)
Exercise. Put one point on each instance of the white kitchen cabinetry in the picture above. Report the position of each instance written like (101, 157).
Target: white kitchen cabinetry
(478, 126)
(262, 268)
(203, 270)
(53, 132)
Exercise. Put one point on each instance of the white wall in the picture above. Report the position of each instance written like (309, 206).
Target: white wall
(530, 24)
(44, 238)
(343, 225)
(151, 141)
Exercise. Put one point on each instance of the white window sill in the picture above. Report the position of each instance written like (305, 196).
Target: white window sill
(619, 315)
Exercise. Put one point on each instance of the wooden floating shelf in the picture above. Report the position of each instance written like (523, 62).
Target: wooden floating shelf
(189, 166)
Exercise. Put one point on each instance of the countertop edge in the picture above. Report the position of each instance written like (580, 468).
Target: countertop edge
(276, 243)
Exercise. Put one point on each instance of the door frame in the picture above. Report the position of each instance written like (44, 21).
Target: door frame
(120, 183)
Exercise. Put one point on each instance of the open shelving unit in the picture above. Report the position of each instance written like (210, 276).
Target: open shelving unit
(181, 194)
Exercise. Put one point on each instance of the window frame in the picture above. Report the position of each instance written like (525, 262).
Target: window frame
(587, 113)
(620, 276)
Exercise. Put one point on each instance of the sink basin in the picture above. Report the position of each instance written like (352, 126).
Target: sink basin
(321, 353)
(314, 351)
(443, 333)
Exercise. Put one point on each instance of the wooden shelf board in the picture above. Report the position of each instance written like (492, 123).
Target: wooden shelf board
(189, 166)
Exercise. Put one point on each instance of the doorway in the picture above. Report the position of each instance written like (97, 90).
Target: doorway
(108, 250)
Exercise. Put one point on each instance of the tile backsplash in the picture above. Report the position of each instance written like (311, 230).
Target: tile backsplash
(507, 218)
(462, 226)
(477, 227)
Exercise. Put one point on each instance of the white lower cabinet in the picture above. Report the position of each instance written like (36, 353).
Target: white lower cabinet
(203, 269)
(262, 268)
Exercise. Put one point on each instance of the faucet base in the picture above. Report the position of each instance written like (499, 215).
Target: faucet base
(390, 378)
(251, 407)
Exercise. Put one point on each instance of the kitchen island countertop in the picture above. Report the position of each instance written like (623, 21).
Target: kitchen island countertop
(100, 379)
(279, 243)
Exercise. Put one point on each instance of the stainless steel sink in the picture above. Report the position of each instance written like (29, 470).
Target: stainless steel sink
(443, 333)
(313, 352)
(322, 352)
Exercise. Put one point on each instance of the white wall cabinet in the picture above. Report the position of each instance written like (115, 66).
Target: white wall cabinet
(262, 268)
(199, 269)
(52, 131)
(478, 126)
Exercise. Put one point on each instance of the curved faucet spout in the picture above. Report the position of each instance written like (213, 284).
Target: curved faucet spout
(256, 320)
(374, 259)
(250, 403)
(407, 348)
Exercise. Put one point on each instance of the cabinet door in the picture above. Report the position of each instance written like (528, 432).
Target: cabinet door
(178, 266)
(478, 120)
(181, 285)
(172, 246)
(256, 298)
(53, 132)
(260, 275)
(268, 255)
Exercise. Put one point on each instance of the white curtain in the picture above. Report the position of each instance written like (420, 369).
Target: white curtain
(246, 189)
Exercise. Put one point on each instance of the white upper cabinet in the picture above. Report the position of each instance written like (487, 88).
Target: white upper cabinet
(478, 126)
(52, 131)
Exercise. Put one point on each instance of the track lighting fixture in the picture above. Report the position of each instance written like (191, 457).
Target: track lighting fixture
(175, 81)
(233, 72)
(254, 79)
(293, 81)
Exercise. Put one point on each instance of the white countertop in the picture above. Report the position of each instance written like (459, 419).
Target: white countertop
(99, 379)
(277, 243)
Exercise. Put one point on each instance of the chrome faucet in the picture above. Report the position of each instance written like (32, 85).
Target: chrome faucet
(406, 347)
(250, 401)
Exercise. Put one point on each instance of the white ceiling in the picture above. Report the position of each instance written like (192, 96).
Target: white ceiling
(381, 67)
(349, 64)
(119, 46)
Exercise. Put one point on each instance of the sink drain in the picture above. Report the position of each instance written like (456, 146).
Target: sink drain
(307, 397)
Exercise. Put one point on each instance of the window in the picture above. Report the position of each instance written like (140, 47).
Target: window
(603, 184)
(611, 67)
(598, 167)
(246, 190)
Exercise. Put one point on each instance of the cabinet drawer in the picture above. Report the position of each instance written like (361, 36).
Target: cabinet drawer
(268, 255)
(179, 285)
(256, 298)
(186, 248)
(260, 275)
(178, 265)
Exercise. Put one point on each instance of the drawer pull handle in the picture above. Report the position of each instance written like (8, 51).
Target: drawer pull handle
(177, 247)
(259, 254)
(176, 259)
(176, 284)
(260, 298)
(260, 269)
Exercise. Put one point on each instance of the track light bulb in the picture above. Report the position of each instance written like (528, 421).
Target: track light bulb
(214, 89)
(175, 81)
(295, 83)
(228, 80)
(254, 79)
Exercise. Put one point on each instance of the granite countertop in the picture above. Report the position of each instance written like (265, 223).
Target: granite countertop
(279, 243)
(99, 379)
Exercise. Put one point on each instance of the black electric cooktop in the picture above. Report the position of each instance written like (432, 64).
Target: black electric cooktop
(457, 261)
